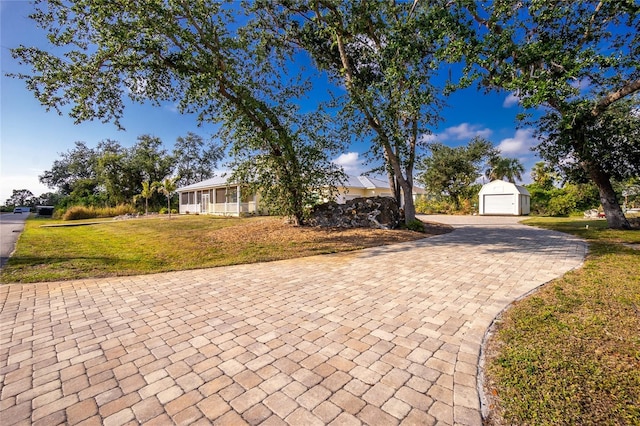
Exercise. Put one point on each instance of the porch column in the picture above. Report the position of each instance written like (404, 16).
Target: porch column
(238, 200)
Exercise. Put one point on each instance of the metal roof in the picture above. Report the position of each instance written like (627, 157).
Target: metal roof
(216, 181)
(365, 182)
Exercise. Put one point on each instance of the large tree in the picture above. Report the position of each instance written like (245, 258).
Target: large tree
(148, 161)
(204, 56)
(108, 173)
(74, 167)
(112, 171)
(384, 54)
(575, 59)
(194, 159)
(610, 140)
(21, 197)
(453, 171)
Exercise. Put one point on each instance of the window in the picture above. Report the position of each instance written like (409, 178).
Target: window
(220, 195)
(226, 195)
(191, 198)
(184, 198)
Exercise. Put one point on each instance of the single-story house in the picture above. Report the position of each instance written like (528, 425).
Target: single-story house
(218, 196)
(366, 186)
(504, 198)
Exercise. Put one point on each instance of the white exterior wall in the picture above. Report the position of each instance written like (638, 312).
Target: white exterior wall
(359, 186)
(504, 198)
(203, 201)
(346, 194)
(525, 204)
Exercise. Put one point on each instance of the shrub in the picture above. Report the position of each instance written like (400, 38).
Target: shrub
(415, 225)
(421, 205)
(163, 210)
(467, 207)
(562, 204)
(119, 210)
(82, 212)
(570, 199)
(434, 206)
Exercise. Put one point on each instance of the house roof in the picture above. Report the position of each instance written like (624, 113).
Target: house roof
(364, 182)
(368, 182)
(216, 181)
(503, 186)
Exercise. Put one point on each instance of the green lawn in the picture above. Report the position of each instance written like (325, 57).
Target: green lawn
(570, 353)
(142, 246)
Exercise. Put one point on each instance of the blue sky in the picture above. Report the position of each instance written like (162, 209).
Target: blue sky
(31, 138)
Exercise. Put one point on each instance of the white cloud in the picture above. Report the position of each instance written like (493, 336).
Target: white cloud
(350, 162)
(581, 84)
(464, 131)
(520, 143)
(467, 131)
(427, 138)
(174, 107)
(511, 100)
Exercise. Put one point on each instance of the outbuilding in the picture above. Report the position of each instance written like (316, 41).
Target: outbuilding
(44, 211)
(504, 198)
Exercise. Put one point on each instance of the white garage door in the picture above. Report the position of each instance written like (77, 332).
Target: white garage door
(498, 204)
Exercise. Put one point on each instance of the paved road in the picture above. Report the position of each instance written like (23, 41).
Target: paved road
(384, 336)
(10, 227)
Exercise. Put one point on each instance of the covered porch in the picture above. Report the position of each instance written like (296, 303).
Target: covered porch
(216, 197)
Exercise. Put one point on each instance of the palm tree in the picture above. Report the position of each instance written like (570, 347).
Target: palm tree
(168, 187)
(543, 175)
(503, 167)
(148, 189)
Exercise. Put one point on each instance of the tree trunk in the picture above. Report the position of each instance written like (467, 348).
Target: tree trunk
(455, 197)
(406, 184)
(407, 189)
(298, 215)
(407, 195)
(613, 212)
(395, 188)
(409, 206)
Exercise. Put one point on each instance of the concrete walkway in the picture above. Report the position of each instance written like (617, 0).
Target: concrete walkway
(383, 336)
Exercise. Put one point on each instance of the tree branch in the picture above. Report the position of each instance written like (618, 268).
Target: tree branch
(491, 26)
(612, 97)
(591, 21)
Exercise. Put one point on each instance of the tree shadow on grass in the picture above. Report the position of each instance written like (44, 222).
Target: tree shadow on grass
(48, 268)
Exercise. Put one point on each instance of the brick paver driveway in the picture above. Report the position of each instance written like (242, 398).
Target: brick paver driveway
(381, 336)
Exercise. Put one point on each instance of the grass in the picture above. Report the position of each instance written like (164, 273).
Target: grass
(570, 353)
(143, 246)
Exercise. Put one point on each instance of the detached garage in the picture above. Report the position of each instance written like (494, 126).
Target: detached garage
(504, 198)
